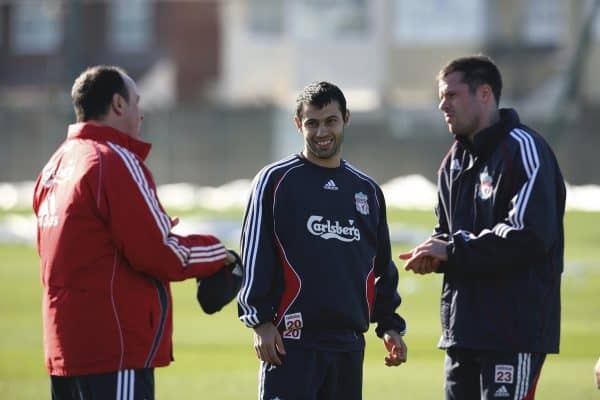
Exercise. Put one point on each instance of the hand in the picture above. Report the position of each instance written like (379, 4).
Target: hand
(426, 257)
(397, 351)
(421, 265)
(230, 259)
(597, 371)
(268, 343)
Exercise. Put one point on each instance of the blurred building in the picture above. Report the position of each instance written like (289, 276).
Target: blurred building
(219, 77)
(46, 43)
(387, 52)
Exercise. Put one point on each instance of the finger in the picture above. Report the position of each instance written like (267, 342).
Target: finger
(433, 267)
(229, 258)
(272, 355)
(279, 344)
(265, 355)
(406, 256)
(427, 261)
(425, 266)
(257, 347)
(392, 361)
(422, 252)
(174, 221)
(412, 263)
(259, 353)
(403, 352)
(418, 265)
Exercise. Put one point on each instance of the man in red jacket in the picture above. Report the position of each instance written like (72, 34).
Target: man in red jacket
(107, 251)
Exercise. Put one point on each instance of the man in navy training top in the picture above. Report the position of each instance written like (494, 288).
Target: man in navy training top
(499, 240)
(316, 247)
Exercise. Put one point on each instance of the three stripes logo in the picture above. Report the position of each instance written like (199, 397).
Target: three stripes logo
(502, 392)
(330, 185)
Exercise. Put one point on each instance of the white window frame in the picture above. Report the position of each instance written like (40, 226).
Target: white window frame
(131, 25)
(438, 22)
(265, 18)
(596, 23)
(325, 19)
(36, 27)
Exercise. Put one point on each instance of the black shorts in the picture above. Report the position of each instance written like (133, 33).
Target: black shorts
(129, 384)
(308, 374)
(478, 374)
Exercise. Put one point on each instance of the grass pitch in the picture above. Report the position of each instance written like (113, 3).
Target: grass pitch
(214, 355)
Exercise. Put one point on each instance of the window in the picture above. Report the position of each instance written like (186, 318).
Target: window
(321, 19)
(544, 22)
(36, 26)
(596, 24)
(265, 17)
(131, 25)
(438, 21)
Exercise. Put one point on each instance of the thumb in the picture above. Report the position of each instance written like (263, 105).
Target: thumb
(389, 341)
(174, 221)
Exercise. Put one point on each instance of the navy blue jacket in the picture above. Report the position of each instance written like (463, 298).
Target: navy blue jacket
(501, 206)
(316, 250)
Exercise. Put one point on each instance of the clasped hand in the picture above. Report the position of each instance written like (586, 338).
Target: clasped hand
(426, 257)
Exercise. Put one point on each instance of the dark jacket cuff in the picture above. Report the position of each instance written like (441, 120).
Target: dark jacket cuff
(393, 322)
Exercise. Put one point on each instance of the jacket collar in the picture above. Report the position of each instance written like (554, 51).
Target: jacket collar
(486, 140)
(99, 132)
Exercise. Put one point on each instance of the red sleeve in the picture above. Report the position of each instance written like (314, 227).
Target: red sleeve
(142, 230)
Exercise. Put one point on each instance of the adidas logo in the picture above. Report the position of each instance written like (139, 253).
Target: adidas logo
(330, 185)
(502, 392)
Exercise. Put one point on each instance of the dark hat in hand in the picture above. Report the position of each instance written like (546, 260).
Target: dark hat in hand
(216, 291)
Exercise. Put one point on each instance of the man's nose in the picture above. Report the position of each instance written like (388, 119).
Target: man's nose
(442, 105)
(322, 130)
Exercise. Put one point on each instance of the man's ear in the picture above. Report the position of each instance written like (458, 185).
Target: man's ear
(347, 117)
(117, 104)
(485, 91)
(298, 123)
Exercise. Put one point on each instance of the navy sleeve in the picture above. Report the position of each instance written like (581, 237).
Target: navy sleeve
(531, 226)
(387, 298)
(258, 251)
(442, 229)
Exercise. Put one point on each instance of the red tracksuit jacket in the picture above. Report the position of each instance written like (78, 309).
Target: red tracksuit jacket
(107, 256)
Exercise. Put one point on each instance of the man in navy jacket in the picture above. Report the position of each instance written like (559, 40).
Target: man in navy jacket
(316, 248)
(499, 240)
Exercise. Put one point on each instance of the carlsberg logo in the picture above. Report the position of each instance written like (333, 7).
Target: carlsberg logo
(332, 230)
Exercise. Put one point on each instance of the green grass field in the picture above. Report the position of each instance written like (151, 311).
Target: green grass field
(214, 355)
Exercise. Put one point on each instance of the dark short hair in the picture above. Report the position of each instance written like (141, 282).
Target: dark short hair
(319, 94)
(476, 71)
(94, 89)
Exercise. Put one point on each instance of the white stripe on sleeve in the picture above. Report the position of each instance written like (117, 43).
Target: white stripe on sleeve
(125, 383)
(162, 220)
(531, 164)
(119, 383)
(132, 385)
(251, 237)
